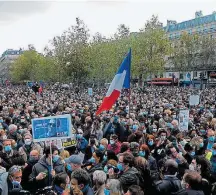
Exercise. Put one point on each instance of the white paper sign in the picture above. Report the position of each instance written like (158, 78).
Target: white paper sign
(194, 100)
(183, 120)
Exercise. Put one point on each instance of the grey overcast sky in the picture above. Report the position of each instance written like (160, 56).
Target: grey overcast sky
(36, 22)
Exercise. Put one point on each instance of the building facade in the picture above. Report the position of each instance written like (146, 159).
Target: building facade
(201, 25)
(6, 61)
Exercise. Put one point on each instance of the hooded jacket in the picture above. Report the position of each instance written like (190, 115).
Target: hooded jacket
(128, 178)
(42, 166)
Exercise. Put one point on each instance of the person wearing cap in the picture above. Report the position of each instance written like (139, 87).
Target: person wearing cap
(10, 157)
(82, 143)
(114, 145)
(29, 145)
(72, 163)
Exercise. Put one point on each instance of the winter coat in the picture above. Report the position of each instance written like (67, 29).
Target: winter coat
(128, 178)
(10, 159)
(87, 132)
(42, 166)
(25, 177)
(12, 190)
(15, 137)
(152, 163)
(3, 181)
(189, 192)
(89, 192)
(213, 164)
(24, 151)
(82, 144)
(119, 131)
(169, 185)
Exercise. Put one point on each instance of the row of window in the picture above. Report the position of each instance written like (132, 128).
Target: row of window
(199, 30)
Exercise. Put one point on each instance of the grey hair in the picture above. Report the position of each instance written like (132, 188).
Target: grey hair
(114, 186)
(100, 177)
(12, 126)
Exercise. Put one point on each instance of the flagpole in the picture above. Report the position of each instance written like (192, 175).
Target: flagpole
(129, 101)
(129, 97)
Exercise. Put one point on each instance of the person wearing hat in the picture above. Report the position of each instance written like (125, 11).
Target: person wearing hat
(114, 145)
(72, 163)
(82, 143)
(29, 145)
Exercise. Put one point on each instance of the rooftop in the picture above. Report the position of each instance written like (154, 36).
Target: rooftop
(12, 52)
(197, 21)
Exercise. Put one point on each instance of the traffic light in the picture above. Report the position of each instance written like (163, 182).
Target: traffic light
(201, 75)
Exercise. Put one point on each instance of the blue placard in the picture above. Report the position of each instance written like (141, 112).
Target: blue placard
(51, 128)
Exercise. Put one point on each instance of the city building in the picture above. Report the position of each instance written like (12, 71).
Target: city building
(6, 60)
(201, 25)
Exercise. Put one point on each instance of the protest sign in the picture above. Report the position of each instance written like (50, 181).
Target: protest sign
(51, 128)
(183, 120)
(194, 100)
(57, 143)
(68, 142)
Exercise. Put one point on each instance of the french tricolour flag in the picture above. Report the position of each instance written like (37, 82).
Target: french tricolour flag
(121, 80)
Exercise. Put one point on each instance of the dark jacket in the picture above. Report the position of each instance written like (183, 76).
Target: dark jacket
(152, 163)
(189, 192)
(119, 131)
(159, 151)
(42, 166)
(25, 177)
(169, 185)
(81, 145)
(11, 190)
(128, 178)
(13, 158)
(89, 192)
(15, 137)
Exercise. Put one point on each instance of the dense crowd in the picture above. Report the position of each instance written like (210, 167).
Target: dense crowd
(135, 148)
